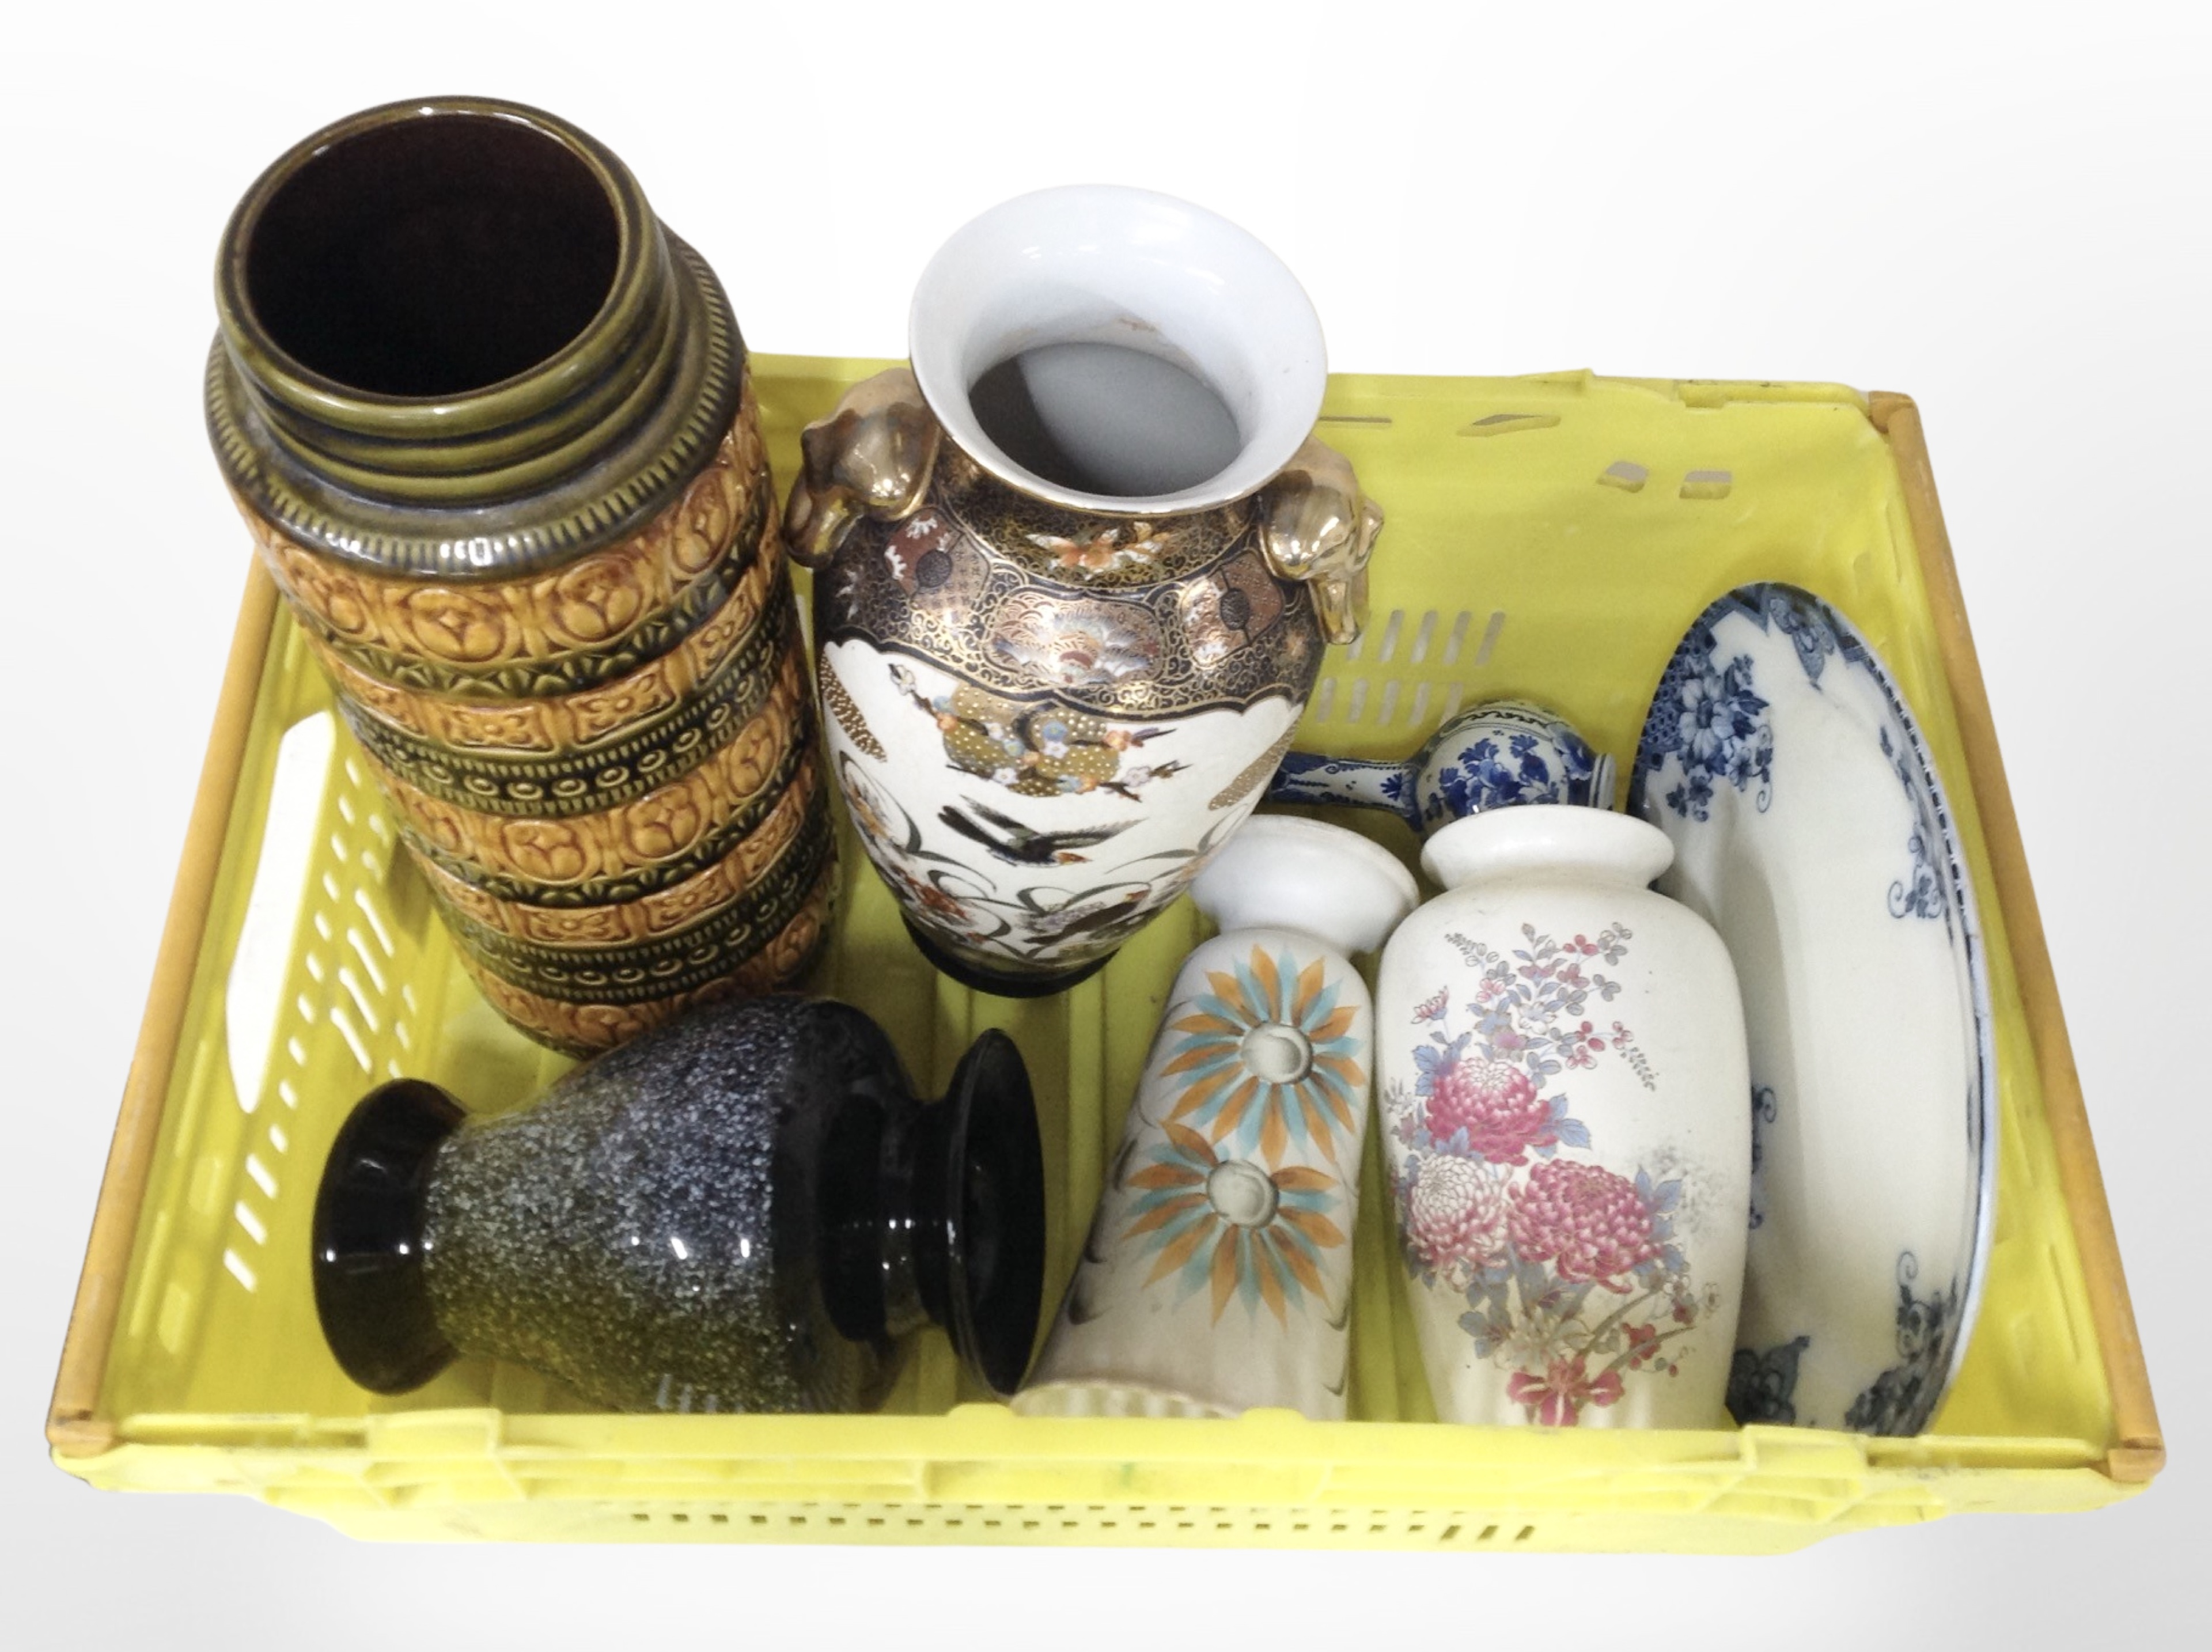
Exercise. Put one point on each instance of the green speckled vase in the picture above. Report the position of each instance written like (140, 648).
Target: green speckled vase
(745, 1210)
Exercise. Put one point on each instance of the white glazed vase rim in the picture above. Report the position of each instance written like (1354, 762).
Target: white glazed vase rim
(1536, 837)
(1281, 872)
(1110, 265)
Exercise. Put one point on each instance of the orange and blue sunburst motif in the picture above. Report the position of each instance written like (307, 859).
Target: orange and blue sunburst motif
(1225, 1224)
(1267, 1058)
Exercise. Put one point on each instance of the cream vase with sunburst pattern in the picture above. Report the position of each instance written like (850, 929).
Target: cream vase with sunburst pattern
(1217, 1273)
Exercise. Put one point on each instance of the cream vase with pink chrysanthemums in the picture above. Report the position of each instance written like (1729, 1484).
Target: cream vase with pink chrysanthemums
(1559, 1060)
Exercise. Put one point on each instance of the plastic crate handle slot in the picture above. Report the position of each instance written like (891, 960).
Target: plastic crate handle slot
(253, 990)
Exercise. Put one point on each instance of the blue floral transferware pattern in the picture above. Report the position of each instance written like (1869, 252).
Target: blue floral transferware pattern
(1721, 724)
(1708, 718)
(1503, 766)
(1762, 1387)
(1492, 756)
(1708, 715)
(1762, 1112)
(1903, 1399)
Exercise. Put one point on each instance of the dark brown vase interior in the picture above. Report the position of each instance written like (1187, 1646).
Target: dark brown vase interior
(1105, 419)
(434, 256)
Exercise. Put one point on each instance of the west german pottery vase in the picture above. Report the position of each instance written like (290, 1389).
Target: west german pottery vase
(743, 1210)
(491, 427)
(1561, 1072)
(1077, 564)
(1217, 1274)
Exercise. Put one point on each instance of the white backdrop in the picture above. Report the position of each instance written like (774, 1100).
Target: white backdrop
(2001, 211)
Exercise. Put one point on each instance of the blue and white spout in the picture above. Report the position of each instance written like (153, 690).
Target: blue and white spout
(1492, 756)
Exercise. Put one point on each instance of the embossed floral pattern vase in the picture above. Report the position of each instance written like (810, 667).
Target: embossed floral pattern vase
(744, 1210)
(1077, 568)
(1560, 1067)
(1217, 1274)
(491, 427)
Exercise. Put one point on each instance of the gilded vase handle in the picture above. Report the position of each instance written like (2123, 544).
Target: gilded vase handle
(1316, 527)
(870, 458)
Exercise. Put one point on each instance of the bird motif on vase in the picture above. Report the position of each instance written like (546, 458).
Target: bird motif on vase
(1019, 845)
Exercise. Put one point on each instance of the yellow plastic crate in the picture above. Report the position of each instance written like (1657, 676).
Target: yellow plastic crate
(1548, 536)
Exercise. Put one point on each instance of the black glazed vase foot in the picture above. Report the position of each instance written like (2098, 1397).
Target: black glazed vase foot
(370, 1292)
(745, 1210)
(991, 1165)
(998, 983)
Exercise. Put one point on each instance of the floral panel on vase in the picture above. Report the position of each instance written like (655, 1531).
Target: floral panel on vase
(1076, 566)
(1568, 1159)
(1041, 738)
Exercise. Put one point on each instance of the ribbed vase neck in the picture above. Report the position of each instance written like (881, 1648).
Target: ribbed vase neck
(454, 340)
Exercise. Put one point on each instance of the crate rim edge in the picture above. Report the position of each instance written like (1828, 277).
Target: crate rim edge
(78, 1434)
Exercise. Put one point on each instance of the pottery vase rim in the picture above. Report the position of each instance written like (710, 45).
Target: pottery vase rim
(537, 466)
(1126, 241)
(540, 384)
(1536, 837)
(1354, 910)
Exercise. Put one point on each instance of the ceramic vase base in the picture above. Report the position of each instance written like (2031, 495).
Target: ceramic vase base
(997, 983)
(630, 1233)
(370, 1294)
